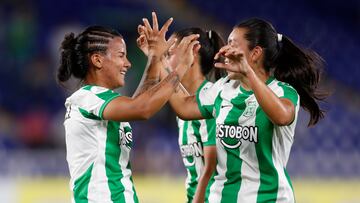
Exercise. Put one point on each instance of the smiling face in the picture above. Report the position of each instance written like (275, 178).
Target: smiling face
(115, 63)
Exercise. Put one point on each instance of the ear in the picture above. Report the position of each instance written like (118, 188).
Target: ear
(256, 53)
(97, 60)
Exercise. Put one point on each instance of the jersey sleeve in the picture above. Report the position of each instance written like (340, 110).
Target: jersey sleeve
(208, 138)
(206, 96)
(94, 100)
(289, 93)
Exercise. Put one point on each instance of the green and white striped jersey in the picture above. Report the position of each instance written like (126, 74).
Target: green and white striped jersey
(98, 150)
(252, 152)
(193, 136)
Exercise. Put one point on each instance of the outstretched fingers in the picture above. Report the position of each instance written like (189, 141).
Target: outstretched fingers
(141, 29)
(155, 21)
(147, 24)
(186, 41)
(170, 42)
(166, 26)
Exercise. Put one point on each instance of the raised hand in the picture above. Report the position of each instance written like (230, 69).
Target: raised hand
(152, 40)
(141, 41)
(184, 54)
(235, 60)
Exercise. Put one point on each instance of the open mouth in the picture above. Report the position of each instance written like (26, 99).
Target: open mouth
(122, 72)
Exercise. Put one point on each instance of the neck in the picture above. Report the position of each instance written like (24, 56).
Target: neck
(92, 79)
(193, 79)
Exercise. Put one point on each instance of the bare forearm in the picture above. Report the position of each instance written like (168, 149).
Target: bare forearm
(201, 188)
(165, 72)
(155, 97)
(209, 168)
(181, 101)
(151, 75)
(280, 111)
(185, 106)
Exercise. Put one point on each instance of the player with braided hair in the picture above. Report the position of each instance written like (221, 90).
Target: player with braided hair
(98, 135)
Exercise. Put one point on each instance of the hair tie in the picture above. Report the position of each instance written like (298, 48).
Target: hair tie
(279, 37)
(209, 34)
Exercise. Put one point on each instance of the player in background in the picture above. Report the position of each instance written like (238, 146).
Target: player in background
(98, 135)
(196, 137)
(256, 109)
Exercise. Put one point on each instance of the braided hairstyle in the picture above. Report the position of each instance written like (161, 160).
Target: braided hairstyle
(76, 51)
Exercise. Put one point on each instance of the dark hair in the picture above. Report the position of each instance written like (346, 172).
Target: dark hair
(299, 67)
(210, 42)
(75, 51)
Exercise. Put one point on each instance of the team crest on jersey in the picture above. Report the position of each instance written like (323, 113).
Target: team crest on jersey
(231, 136)
(250, 109)
(126, 138)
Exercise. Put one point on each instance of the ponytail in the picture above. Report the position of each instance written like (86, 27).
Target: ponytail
(301, 68)
(67, 58)
(210, 42)
(216, 43)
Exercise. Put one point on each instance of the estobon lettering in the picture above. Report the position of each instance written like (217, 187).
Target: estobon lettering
(232, 135)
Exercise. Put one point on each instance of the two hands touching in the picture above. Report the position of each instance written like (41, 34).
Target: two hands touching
(153, 43)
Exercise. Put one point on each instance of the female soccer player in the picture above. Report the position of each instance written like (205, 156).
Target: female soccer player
(256, 109)
(197, 137)
(98, 136)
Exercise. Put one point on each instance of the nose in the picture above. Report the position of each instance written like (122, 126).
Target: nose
(127, 63)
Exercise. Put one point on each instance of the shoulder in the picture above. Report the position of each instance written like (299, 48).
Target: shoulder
(216, 86)
(205, 86)
(89, 93)
(277, 85)
(222, 81)
(284, 90)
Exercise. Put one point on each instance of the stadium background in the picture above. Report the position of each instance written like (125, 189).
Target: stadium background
(325, 160)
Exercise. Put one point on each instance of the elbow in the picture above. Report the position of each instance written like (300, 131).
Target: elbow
(207, 174)
(283, 120)
(285, 115)
(179, 113)
(181, 116)
(209, 170)
(145, 112)
(144, 117)
(184, 116)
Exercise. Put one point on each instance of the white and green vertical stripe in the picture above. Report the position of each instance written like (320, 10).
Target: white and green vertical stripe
(253, 171)
(97, 154)
(193, 137)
